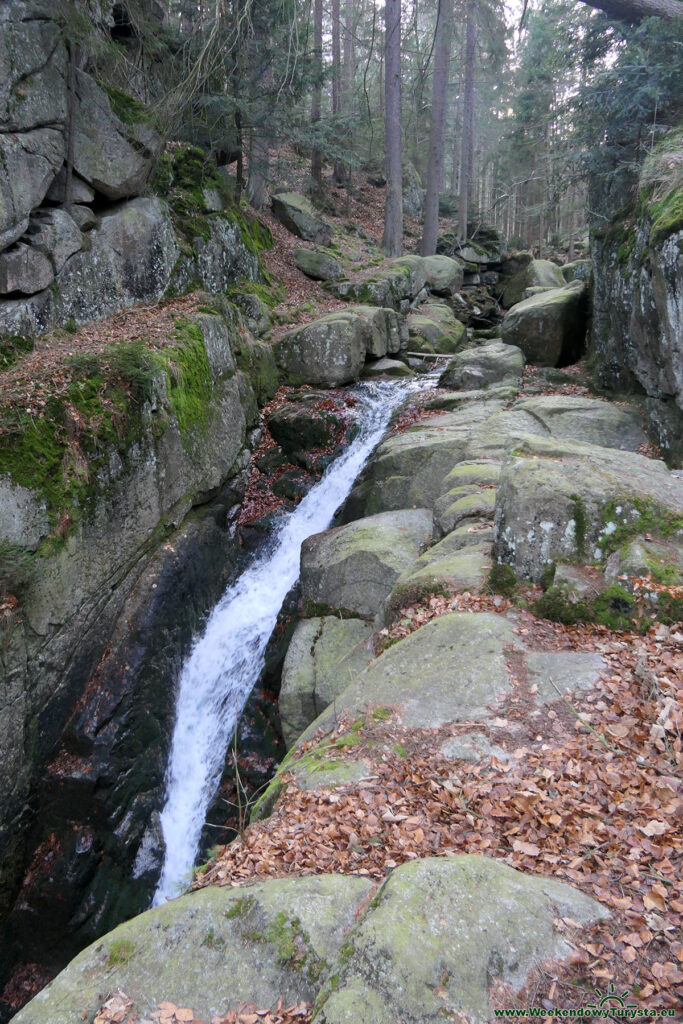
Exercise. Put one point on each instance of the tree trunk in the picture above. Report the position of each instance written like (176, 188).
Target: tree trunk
(393, 207)
(467, 146)
(442, 54)
(338, 172)
(347, 80)
(316, 102)
(636, 10)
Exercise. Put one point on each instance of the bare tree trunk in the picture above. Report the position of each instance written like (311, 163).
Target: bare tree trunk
(437, 131)
(636, 10)
(338, 171)
(467, 147)
(393, 207)
(316, 102)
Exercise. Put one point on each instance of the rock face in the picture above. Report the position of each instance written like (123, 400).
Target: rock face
(133, 256)
(86, 708)
(352, 569)
(115, 157)
(549, 327)
(637, 331)
(298, 215)
(562, 500)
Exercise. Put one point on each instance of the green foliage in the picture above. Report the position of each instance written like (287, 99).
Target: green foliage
(13, 349)
(502, 580)
(615, 608)
(554, 605)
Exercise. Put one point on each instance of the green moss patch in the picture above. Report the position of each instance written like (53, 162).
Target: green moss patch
(13, 349)
(126, 107)
(189, 378)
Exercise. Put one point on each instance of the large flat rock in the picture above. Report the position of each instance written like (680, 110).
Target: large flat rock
(352, 569)
(576, 418)
(440, 931)
(448, 671)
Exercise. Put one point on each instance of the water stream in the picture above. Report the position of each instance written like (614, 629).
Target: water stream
(227, 659)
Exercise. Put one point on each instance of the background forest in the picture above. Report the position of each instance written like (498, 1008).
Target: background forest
(505, 115)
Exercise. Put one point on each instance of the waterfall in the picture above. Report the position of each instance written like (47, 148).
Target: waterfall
(227, 659)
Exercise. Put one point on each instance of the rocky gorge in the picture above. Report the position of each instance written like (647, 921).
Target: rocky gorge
(441, 687)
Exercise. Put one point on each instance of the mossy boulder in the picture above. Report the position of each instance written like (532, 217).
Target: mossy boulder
(298, 429)
(352, 569)
(323, 657)
(385, 368)
(492, 363)
(212, 950)
(534, 274)
(439, 933)
(568, 501)
(447, 671)
(463, 503)
(434, 328)
(318, 265)
(299, 216)
(444, 275)
(644, 556)
(549, 328)
(408, 468)
(443, 568)
(329, 351)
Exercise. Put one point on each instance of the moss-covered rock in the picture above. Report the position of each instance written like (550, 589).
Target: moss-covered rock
(212, 950)
(441, 931)
(567, 501)
(492, 363)
(298, 215)
(434, 329)
(352, 569)
(535, 273)
(324, 656)
(321, 266)
(591, 420)
(329, 351)
(444, 275)
(447, 671)
(550, 327)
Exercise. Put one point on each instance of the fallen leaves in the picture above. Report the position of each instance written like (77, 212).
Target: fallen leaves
(604, 820)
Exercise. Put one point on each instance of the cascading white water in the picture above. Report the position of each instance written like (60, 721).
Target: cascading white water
(227, 659)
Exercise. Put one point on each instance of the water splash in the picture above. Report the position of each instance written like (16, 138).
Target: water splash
(228, 658)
